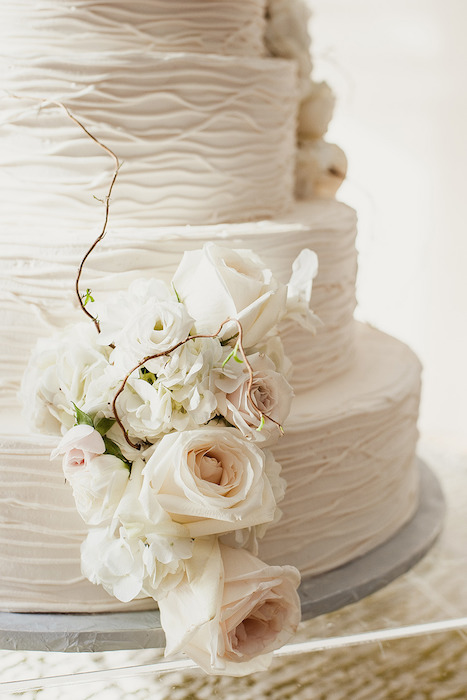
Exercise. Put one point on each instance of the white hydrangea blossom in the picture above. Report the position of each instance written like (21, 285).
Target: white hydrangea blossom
(176, 392)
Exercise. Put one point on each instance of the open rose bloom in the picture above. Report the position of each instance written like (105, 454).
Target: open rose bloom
(175, 404)
(253, 609)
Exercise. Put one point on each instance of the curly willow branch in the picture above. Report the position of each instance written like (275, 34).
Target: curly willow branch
(107, 209)
(258, 411)
(107, 199)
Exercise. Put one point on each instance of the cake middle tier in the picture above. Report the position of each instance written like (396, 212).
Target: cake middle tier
(202, 138)
(38, 272)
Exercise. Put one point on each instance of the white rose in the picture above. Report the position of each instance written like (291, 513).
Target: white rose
(60, 372)
(218, 283)
(144, 320)
(321, 168)
(269, 390)
(316, 111)
(243, 610)
(211, 480)
(274, 349)
(287, 33)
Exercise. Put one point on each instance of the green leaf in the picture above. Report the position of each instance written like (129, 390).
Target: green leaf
(87, 297)
(261, 424)
(82, 418)
(111, 448)
(176, 293)
(104, 424)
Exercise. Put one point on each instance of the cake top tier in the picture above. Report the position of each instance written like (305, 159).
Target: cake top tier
(100, 26)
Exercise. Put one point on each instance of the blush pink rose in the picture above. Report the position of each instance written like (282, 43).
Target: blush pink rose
(78, 446)
(271, 393)
(244, 610)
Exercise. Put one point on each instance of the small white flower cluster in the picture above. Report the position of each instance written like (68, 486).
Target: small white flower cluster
(321, 166)
(167, 415)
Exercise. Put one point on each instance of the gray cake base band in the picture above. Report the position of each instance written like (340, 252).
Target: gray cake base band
(318, 594)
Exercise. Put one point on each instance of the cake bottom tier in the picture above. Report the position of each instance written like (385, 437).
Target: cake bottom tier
(348, 457)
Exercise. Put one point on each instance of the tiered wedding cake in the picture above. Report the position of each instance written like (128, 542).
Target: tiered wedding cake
(202, 112)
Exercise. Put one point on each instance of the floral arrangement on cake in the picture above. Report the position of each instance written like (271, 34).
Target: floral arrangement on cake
(168, 404)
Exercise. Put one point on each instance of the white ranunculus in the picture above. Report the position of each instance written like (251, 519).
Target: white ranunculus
(320, 170)
(144, 320)
(304, 271)
(287, 34)
(60, 372)
(315, 111)
(210, 480)
(269, 390)
(218, 283)
(243, 610)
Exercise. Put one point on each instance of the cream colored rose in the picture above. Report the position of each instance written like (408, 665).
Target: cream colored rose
(218, 283)
(321, 168)
(244, 610)
(315, 111)
(271, 393)
(211, 480)
(287, 33)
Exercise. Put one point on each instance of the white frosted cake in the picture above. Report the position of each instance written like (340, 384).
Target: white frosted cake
(199, 100)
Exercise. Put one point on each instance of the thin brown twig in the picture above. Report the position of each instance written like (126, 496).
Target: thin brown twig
(118, 165)
(107, 209)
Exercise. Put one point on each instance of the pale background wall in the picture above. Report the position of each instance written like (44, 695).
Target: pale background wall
(399, 69)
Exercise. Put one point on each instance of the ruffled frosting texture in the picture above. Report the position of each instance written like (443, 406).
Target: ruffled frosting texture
(348, 458)
(203, 138)
(103, 26)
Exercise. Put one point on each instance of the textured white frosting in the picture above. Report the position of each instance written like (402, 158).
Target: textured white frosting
(41, 534)
(38, 271)
(44, 27)
(203, 138)
(347, 456)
